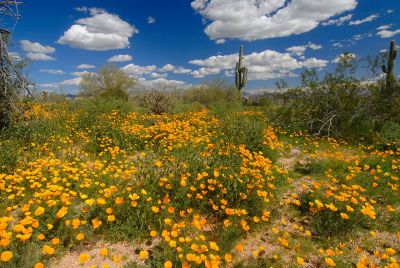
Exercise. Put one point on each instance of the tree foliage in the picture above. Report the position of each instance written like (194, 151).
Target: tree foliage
(109, 82)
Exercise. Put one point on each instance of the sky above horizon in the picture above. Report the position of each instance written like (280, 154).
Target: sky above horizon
(175, 43)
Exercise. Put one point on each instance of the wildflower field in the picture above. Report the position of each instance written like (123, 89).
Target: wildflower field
(82, 186)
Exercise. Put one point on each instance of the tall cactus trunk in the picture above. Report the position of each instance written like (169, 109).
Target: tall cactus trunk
(241, 74)
(389, 71)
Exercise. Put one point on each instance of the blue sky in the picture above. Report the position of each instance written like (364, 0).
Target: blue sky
(176, 43)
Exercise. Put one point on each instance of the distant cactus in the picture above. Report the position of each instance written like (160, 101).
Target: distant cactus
(389, 69)
(241, 73)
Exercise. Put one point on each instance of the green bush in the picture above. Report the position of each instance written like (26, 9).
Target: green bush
(109, 83)
(215, 91)
(388, 137)
(182, 107)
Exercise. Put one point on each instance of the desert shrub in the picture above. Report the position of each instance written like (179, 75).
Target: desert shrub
(8, 155)
(214, 91)
(388, 137)
(338, 105)
(157, 101)
(343, 105)
(225, 108)
(6, 114)
(182, 107)
(245, 128)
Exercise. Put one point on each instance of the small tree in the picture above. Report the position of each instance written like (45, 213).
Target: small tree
(281, 87)
(109, 82)
(12, 82)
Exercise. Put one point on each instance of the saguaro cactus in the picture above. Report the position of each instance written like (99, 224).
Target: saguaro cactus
(389, 69)
(241, 73)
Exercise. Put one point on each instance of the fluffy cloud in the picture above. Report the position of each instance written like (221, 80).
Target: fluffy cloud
(39, 56)
(151, 20)
(71, 82)
(338, 22)
(35, 47)
(37, 51)
(387, 33)
(161, 83)
(85, 66)
(74, 82)
(265, 65)
(314, 63)
(384, 27)
(101, 31)
(202, 72)
(136, 71)
(314, 46)
(120, 58)
(80, 74)
(158, 75)
(174, 69)
(367, 19)
(252, 20)
(52, 71)
(299, 50)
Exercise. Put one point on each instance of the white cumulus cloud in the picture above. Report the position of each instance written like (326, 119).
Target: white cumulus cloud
(74, 82)
(36, 47)
(387, 33)
(174, 69)
(101, 31)
(36, 51)
(161, 83)
(339, 21)
(52, 71)
(39, 56)
(71, 82)
(299, 50)
(80, 74)
(151, 20)
(158, 75)
(136, 71)
(367, 19)
(264, 65)
(262, 19)
(120, 58)
(85, 66)
(384, 27)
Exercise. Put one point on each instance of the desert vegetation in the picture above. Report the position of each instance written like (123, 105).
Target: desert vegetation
(197, 178)
(204, 176)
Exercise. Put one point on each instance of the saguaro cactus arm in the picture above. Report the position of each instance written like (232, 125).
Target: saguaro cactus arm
(389, 69)
(241, 72)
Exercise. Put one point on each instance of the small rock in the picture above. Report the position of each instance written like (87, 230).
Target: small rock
(303, 162)
(294, 152)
